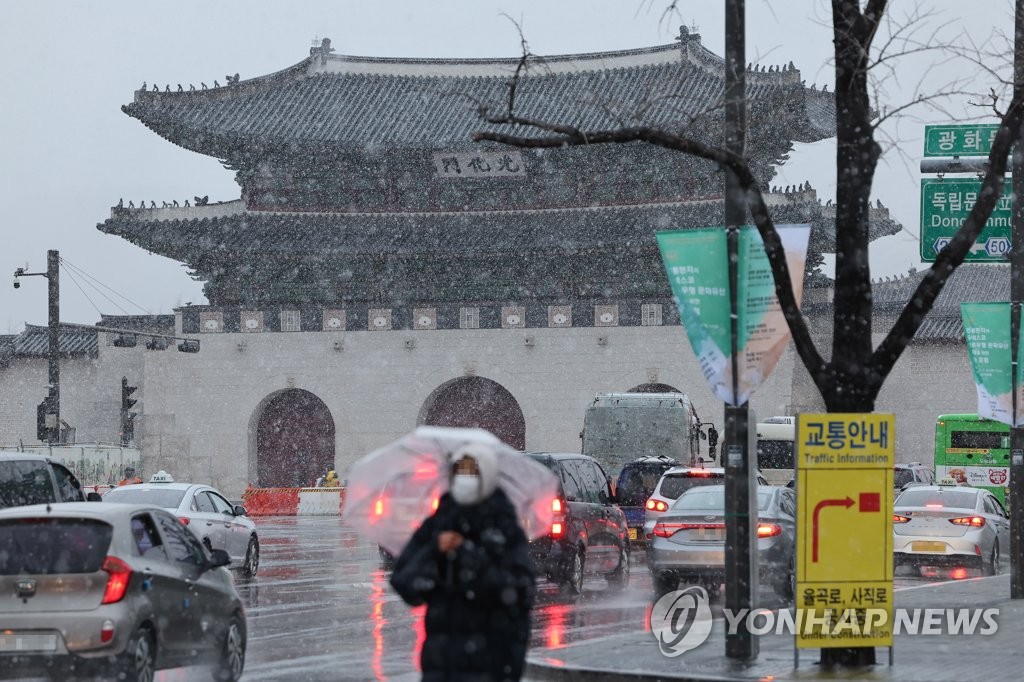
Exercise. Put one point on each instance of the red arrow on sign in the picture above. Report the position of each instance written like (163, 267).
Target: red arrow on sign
(848, 502)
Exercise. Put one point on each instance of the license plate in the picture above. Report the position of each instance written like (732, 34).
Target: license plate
(710, 533)
(632, 534)
(923, 546)
(28, 642)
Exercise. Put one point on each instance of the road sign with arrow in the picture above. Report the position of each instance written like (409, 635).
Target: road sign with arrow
(844, 558)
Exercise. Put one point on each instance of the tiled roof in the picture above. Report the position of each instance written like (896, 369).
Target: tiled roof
(611, 228)
(72, 342)
(158, 324)
(968, 283)
(346, 101)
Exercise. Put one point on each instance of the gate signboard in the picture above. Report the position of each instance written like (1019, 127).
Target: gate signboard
(844, 561)
(944, 207)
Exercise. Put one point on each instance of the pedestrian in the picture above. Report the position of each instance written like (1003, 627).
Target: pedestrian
(332, 480)
(470, 564)
(129, 477)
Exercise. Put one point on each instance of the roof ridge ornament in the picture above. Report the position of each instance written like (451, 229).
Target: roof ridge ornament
(323, 50)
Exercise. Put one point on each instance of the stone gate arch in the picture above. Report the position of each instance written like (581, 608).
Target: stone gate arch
(294, 439)
(479, 402)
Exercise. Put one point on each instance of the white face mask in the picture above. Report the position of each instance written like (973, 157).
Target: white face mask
(466, 488)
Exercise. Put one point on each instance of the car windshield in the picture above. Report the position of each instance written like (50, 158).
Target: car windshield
(161, 497)
(53, 546)
(713, 498)
(24, 482)
(675, 485)
(903, 477)
(941, 498)
(637, 481)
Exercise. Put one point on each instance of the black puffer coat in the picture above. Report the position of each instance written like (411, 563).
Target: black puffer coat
(478, 598)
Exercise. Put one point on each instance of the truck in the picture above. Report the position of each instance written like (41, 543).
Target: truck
(621, 427)
(93, 464)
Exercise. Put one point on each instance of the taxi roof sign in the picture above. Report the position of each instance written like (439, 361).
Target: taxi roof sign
(161, 477)
(948, 480)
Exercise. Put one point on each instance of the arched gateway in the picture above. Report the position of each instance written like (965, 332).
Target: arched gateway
(294, 440)
(479, 402)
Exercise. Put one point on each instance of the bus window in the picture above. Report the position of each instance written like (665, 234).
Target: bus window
(977, 440)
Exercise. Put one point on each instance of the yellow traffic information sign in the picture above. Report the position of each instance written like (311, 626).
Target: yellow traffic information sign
(844, 529)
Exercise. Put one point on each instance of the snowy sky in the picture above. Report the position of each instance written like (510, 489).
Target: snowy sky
(69, 153)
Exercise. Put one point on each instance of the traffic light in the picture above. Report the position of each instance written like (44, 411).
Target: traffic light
(127, 416)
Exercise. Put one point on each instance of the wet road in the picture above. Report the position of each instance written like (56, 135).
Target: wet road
(321, 609)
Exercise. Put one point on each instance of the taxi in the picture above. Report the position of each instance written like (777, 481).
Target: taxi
(950, 525)
(205, 510)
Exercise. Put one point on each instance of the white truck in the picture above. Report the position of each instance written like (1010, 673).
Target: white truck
(621, 427)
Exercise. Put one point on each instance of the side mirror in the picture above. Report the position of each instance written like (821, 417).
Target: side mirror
(218, 558)
(239, 510)
(93, 497)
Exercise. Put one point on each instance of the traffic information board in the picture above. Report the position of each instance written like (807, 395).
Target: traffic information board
(945, 204)
(972, 139)
(844, 559)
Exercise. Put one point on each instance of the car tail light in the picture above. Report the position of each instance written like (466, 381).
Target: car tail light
(558, 520)
(184, 520)
(435, 503)
(117, 581)
(768, 530)
(973, 521)
(656, 505)
(378, 507)
(896, 518)
(699, 474)
(107, 631)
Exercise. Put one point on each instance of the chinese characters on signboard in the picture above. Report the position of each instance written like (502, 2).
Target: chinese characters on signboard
(457, 165)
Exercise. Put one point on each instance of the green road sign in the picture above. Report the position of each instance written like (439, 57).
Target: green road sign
(944, 207)
(973, 139)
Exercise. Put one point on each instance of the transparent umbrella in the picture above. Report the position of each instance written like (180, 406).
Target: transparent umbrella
(394, 488)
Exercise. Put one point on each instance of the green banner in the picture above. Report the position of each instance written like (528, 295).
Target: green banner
(987, 331)
(696, 262)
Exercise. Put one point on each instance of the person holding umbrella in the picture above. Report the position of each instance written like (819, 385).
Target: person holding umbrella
(469, 562)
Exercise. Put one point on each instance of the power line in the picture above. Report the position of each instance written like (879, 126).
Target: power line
(85, 274)
(75, 282)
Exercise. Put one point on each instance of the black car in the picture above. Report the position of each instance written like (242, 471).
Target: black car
(636, 484)
(589, 535)
(27, 478)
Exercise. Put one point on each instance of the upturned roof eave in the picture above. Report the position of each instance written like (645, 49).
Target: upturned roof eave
(184, 128)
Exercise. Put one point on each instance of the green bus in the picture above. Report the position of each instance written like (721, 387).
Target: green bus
(973, 450)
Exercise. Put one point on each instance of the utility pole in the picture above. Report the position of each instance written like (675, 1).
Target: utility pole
(740, 497)
(53, 301)
(1016, 490)
(49, 410)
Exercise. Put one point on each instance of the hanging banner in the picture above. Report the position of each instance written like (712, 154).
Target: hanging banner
(987, 331)
(696, 262)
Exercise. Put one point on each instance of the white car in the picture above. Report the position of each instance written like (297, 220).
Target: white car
(214, 520)
(950, 525)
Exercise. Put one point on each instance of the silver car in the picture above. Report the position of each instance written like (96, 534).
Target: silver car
(113, 590)
(950, 525)
(207, 513)
(688, 541)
